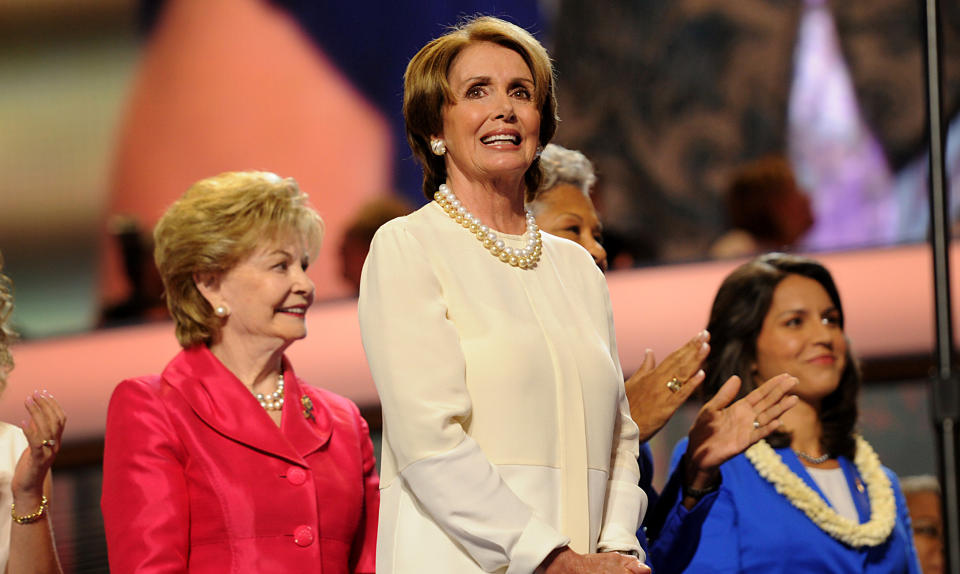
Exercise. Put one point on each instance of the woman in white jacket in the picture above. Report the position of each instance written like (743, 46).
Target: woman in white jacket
(508, 443)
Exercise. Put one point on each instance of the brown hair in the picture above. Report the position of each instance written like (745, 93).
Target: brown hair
(7, 335)
(426, 90)
(217, 223)
(736, 319)
(757, 191)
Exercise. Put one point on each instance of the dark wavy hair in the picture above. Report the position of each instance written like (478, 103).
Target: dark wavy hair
(736, 318)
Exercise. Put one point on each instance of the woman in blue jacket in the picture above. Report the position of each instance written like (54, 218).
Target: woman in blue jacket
(813, 496)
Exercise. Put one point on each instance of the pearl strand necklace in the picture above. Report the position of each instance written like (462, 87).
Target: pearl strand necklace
(524, 258)
(274, 400)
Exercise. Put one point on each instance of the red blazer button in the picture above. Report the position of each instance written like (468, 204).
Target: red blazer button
(296, 475)
(303, 536)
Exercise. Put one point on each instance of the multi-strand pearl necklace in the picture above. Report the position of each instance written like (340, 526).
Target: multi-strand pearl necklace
(524, 258)
(274, 400)
(883, 508)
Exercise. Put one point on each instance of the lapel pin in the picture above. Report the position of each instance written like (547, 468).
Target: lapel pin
(307, 407)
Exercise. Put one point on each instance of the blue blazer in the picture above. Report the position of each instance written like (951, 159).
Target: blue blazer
(752, 528)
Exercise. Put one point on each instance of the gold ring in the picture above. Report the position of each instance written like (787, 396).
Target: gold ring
(48, 442)
(674, 385)
(756, 424)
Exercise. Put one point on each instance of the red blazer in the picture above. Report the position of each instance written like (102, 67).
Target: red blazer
(198, 478)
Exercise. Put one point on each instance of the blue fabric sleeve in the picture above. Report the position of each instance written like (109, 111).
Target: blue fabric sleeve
(675, 544)
(903, 520)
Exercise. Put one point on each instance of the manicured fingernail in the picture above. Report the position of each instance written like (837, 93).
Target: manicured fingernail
(700, 373)
(704, 347)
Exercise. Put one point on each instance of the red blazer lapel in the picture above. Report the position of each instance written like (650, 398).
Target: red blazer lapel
(221, 401)
(307, 423)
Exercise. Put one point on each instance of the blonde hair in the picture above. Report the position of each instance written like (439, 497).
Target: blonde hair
(217, 223)
(7, 335)
(426, 90)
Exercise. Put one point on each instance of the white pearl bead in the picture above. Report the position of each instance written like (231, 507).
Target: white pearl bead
(525, 257)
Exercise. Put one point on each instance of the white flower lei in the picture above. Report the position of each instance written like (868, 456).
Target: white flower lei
(882, 505)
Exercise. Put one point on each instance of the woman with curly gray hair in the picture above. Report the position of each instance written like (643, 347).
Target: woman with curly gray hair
(563, 206)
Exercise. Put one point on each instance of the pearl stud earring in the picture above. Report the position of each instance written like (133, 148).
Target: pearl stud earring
(438, 146)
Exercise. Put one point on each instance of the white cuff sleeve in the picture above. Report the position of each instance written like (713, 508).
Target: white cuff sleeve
(468, 499)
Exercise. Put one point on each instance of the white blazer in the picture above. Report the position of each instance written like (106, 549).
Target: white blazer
(507, 431)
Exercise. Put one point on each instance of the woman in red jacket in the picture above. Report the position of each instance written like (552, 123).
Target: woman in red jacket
(226, 461)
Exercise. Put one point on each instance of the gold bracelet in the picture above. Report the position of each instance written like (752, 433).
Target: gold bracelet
(28, 518)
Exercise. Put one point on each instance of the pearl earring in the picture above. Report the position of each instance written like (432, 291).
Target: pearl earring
(438, 146)
(221, 311)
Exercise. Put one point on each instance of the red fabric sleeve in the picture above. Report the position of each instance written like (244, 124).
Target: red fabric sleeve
(144, 501)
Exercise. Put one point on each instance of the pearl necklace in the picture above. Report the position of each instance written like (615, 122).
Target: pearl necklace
(525, 258)
(274, 400)
(883, 508)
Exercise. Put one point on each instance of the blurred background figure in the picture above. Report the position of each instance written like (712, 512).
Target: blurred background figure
(923, 501)
(766, 208)
(144, 299)
(359, 233)
(26, 532)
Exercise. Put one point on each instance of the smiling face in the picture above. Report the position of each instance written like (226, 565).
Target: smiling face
(267, 294)
(491, 127)
(802, 336)
(565, 211)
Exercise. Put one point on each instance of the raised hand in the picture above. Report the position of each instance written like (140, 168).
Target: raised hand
(721, 432)
(43, 432)
(656, 391)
